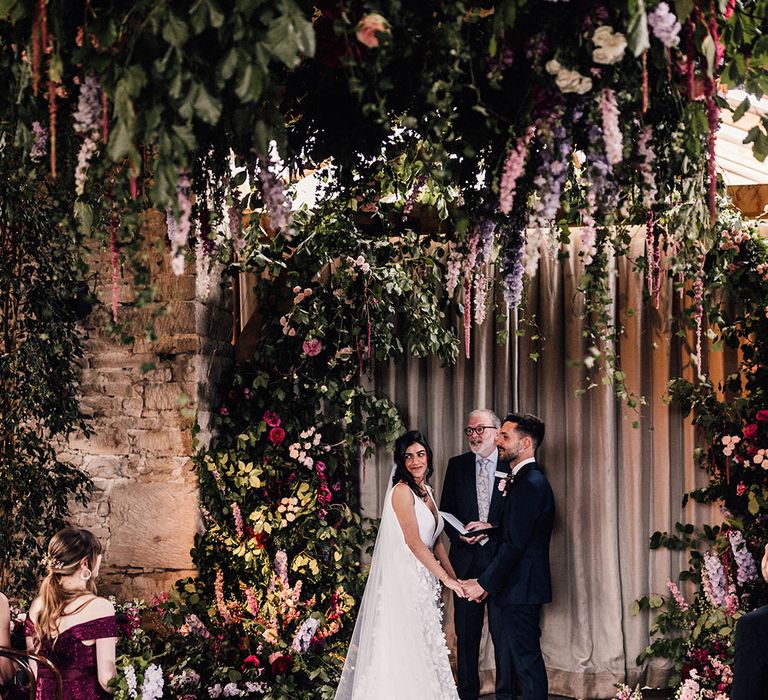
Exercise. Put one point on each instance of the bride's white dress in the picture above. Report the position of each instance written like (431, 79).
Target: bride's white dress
(398, 649)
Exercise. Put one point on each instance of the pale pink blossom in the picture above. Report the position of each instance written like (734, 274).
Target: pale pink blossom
(368, 29)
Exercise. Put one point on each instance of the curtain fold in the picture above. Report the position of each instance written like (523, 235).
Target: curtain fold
(618, 473)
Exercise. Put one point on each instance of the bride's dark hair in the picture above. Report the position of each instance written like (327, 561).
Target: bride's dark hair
(412, 437)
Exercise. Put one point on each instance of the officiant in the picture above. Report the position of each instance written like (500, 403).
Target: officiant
(471, 494)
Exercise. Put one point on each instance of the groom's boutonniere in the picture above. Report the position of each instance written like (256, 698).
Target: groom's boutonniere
(505, 481)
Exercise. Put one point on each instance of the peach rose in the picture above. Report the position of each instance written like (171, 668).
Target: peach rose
(368, 27)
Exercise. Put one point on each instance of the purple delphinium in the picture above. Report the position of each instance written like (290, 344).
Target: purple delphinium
(714, 581)
(746, 570)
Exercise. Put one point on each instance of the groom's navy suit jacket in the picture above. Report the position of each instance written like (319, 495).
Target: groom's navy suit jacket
(459, 497)
(519, 573)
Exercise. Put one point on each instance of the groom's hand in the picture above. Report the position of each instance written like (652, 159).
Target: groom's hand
(473, 590)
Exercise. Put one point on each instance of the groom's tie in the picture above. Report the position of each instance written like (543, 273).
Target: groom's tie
(483, 498)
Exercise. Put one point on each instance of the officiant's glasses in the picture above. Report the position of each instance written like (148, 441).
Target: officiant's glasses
(478, 429)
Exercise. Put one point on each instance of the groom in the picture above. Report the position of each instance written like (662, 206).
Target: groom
(518, 579)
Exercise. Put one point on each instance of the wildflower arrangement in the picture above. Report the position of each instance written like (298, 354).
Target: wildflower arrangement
(732, 419)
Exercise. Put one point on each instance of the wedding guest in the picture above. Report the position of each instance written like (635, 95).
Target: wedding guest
(518, 579)
(470, 493)
(7, 667)
(397, 650)
(69, 624)
(750, 667)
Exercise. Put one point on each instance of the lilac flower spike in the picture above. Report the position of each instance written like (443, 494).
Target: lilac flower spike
(664, 25)
(746, 570)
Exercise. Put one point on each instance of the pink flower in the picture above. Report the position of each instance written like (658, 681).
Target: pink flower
(762, 416)
(741, 489)
(224, 411)
(276, 436)
(271, 419)
(368, 28)
(750, 430)
(312, 347)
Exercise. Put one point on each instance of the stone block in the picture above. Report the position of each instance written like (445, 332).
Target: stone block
(107, 466)
(127, 586)
(161, 442)
(152, 525)
(162, 397)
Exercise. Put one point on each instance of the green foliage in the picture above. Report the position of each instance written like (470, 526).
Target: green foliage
(41, 297)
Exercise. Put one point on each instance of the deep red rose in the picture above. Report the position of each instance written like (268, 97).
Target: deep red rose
(261, 539)
(282, 664)
(750, 430)
(276, 436)
(271, 419)
(762, 416)
(251, 660)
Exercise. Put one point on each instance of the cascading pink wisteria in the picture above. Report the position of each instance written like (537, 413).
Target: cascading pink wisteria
(87, 124)
(513, 169)
(221, 604)
(614, 141)
(677, 595)
(237, 516)
(250, 601)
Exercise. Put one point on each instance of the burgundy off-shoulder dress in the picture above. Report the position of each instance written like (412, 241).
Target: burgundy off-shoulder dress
(75, 661)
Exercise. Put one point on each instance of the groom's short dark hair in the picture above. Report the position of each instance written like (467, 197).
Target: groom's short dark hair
(529, 425)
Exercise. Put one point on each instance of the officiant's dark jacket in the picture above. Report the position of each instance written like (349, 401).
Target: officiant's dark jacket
(459, 497)
(519, 573)
(750, 669)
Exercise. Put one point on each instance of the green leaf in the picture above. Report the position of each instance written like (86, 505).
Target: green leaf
(120, 142)
(683, 9)
(207, 107)
(637, 30)
(290, 35)
(175, 31)
(741, 109)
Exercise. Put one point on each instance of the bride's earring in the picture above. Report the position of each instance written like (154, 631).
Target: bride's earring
(85, 573)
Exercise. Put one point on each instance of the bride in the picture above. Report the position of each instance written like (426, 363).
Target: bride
(398, 648)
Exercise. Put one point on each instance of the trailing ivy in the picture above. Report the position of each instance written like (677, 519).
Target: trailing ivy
(42, 295)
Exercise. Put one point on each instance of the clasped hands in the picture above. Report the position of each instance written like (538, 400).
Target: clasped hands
(472, 590)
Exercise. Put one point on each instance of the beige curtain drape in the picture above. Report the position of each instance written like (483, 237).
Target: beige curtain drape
(614, 484)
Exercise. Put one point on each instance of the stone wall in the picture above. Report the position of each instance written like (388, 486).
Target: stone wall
(144, 505)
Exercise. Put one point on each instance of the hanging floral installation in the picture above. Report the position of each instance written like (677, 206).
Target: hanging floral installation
(510, 122)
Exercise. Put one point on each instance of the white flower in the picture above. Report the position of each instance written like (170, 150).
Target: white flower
(152, 688)
(573, 81)
(610, 45)
(130, 679)
(231, 691)
(553, 66)
(214, 691)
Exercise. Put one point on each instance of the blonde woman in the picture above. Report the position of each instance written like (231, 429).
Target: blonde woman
(7, 668)
(69, 624)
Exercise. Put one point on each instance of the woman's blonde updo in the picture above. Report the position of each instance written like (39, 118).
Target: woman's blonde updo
(66, 550)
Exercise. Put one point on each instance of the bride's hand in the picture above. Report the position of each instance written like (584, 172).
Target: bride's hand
(455, 586)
